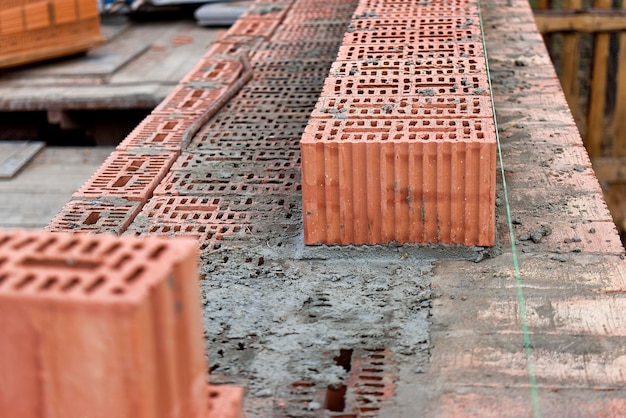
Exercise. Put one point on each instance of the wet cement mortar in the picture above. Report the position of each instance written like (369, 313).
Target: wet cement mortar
(280, 314)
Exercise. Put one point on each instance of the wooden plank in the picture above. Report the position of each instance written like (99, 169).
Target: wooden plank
(597, 93)
(610, 169)
(570, 60)
(15, 154)
(619, 120)
(588, 21)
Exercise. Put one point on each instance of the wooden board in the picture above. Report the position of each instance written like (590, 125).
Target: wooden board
(136, 68)
(44, 186)
(14, 155)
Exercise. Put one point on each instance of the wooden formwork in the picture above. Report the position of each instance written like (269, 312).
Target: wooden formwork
(34, 30)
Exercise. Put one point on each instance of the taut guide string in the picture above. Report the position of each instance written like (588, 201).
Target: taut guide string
(518, 279)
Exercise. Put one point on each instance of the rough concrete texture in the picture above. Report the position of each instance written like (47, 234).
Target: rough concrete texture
(402, 331)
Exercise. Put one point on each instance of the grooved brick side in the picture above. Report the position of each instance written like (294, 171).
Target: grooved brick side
(378, 192)
(100, 326)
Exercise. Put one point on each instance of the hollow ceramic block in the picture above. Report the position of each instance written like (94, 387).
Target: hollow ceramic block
(100, 326)
(382, 181)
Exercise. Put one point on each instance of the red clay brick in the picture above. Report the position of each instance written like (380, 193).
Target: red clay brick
(158, 132)
(190, 99)
(300, 108)
(373, 182)
(400, 36)
(400, 23)
(257, 123)
(130, 175)
(100, 326)
(370, 382)
(247, 141)
(215, 70)
(253, 27)
(369, 10)
(233, 182)
(96, 215)
(193, 210)
(207, 162)
(311, 14)
(406, 85)
(424, 67)
(233, 46)
(410, 52)
(384, 107)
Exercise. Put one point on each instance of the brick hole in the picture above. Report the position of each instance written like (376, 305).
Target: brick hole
(372, 370)
(24, 282)
(3, 278)
(117, 291)
(344, 359)
(99, 282)
(159, 137)
(367, 377)
(122, 181)
(135, 274)
(303, 384)
(370, 393)
(70, 285)
(41, 248)
(123, 260)
(170, 125)
(89, 248)
(47, 285)
(368, 408)
(23, 243)
(336, 398)
(135, 165)
(92, 218)
(261, 261)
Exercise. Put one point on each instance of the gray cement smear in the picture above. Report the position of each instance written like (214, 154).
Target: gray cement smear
(278, 313)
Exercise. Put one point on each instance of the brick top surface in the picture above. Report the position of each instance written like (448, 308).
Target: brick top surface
(80, 267)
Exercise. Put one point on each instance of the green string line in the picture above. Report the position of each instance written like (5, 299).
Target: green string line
(534, 392)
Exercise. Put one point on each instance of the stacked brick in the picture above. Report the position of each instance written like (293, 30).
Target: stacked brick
(219, 158)
(401, 146)
(102, 326)
(238, 179)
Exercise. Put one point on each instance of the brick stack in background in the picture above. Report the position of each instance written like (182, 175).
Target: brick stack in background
(33, 30)
(401, 146)
(103, 326)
